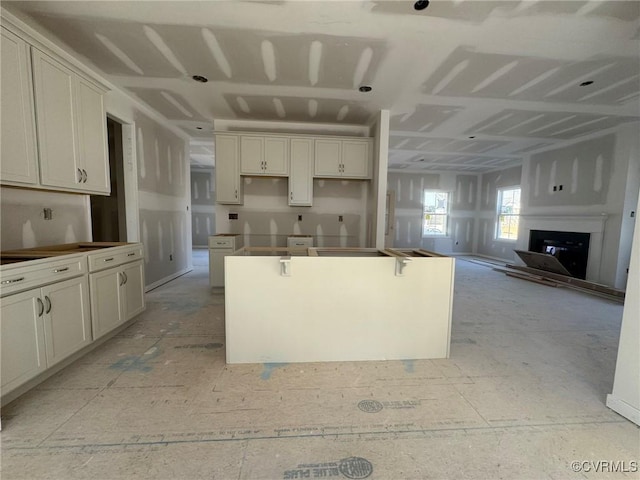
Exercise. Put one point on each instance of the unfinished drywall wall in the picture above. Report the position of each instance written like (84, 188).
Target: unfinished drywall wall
(487, 214)
(23, 223)
(203, 216)
(165, 224)
(158, 163)
(599, 176)
(336, 219)
(408, 190)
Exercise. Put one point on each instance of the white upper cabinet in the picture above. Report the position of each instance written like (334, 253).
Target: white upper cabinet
(59, 166)
(262, 155)
(228, 183)
(92, 137)
(301, 173)
(18, 146)
(356, 158)
(71, 128)
(343, 158)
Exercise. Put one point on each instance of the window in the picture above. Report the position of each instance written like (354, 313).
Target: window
(436, 213)
(508, 213)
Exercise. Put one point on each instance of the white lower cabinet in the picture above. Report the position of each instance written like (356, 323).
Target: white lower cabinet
(41, 327)
(117, 295)
(22, 334)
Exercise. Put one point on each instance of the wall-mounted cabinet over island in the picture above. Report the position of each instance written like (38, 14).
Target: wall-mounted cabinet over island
(300, 158)
(68, 149)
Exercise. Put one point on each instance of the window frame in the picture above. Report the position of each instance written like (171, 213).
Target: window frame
(499, 196)
(446, 215)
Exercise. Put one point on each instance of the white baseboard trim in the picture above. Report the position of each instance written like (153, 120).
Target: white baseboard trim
(623, 408)
(164, 280)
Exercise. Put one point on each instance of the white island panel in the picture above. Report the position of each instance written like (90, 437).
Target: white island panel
(337, 309)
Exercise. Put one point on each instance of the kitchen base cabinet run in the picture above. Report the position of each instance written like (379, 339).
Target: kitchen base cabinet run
(41, 327)
(340, 305)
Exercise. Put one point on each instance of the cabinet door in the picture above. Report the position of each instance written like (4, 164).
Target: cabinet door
(251, 155)
(55, 116)
(92, 139)
(67, 321)
(106, 301)
(355, 158)
(133, 287)
(22, 336)
(276, 156)
(301, 172)
(18, 147)
(327, 158)
(228, 185)
(216, 265)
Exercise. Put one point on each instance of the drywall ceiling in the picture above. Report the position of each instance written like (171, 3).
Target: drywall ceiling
(471, 85)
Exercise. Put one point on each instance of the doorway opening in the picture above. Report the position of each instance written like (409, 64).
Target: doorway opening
(108, 214)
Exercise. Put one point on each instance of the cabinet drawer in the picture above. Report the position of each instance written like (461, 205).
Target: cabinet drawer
(113, 257)
(222, 242)
(15, 278)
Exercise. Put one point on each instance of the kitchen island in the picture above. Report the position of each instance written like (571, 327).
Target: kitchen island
(325, 304)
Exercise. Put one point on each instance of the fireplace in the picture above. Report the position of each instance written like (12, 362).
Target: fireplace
(570, 248)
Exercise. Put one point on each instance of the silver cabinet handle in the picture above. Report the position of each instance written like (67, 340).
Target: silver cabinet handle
(41, 306)
(58, 270)
(86, 176)
(126, 278)
(108, 259)
(121, 279)
(79, 176)
(131, 254)
(48, 300)
(15, 280)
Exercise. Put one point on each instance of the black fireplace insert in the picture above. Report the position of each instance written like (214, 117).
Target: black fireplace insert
(570, 248)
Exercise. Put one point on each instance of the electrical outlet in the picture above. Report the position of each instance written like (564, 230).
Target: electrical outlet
(560, 187)
(171, 257)
(48, 214)
(233, 216)
(340, 219)
(299, 218)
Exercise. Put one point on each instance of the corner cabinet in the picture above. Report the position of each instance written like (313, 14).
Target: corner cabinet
(18, 149)
(71, 128)
(54, 125)
(116, 283)
(228, 182)
(342, 158)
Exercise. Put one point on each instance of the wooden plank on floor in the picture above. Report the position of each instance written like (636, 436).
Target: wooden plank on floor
(583, 284)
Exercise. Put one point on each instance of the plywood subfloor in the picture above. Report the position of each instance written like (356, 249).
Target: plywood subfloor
(522, 396)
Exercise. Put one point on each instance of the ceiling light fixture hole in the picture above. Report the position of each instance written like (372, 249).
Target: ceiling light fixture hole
(200, 78)
(421, 4)
(365, 88)
(588, 82)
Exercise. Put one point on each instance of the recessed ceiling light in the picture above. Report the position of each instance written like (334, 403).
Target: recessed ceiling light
(588, 82)
(365, 88)
(421, 4)
(200, 78)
